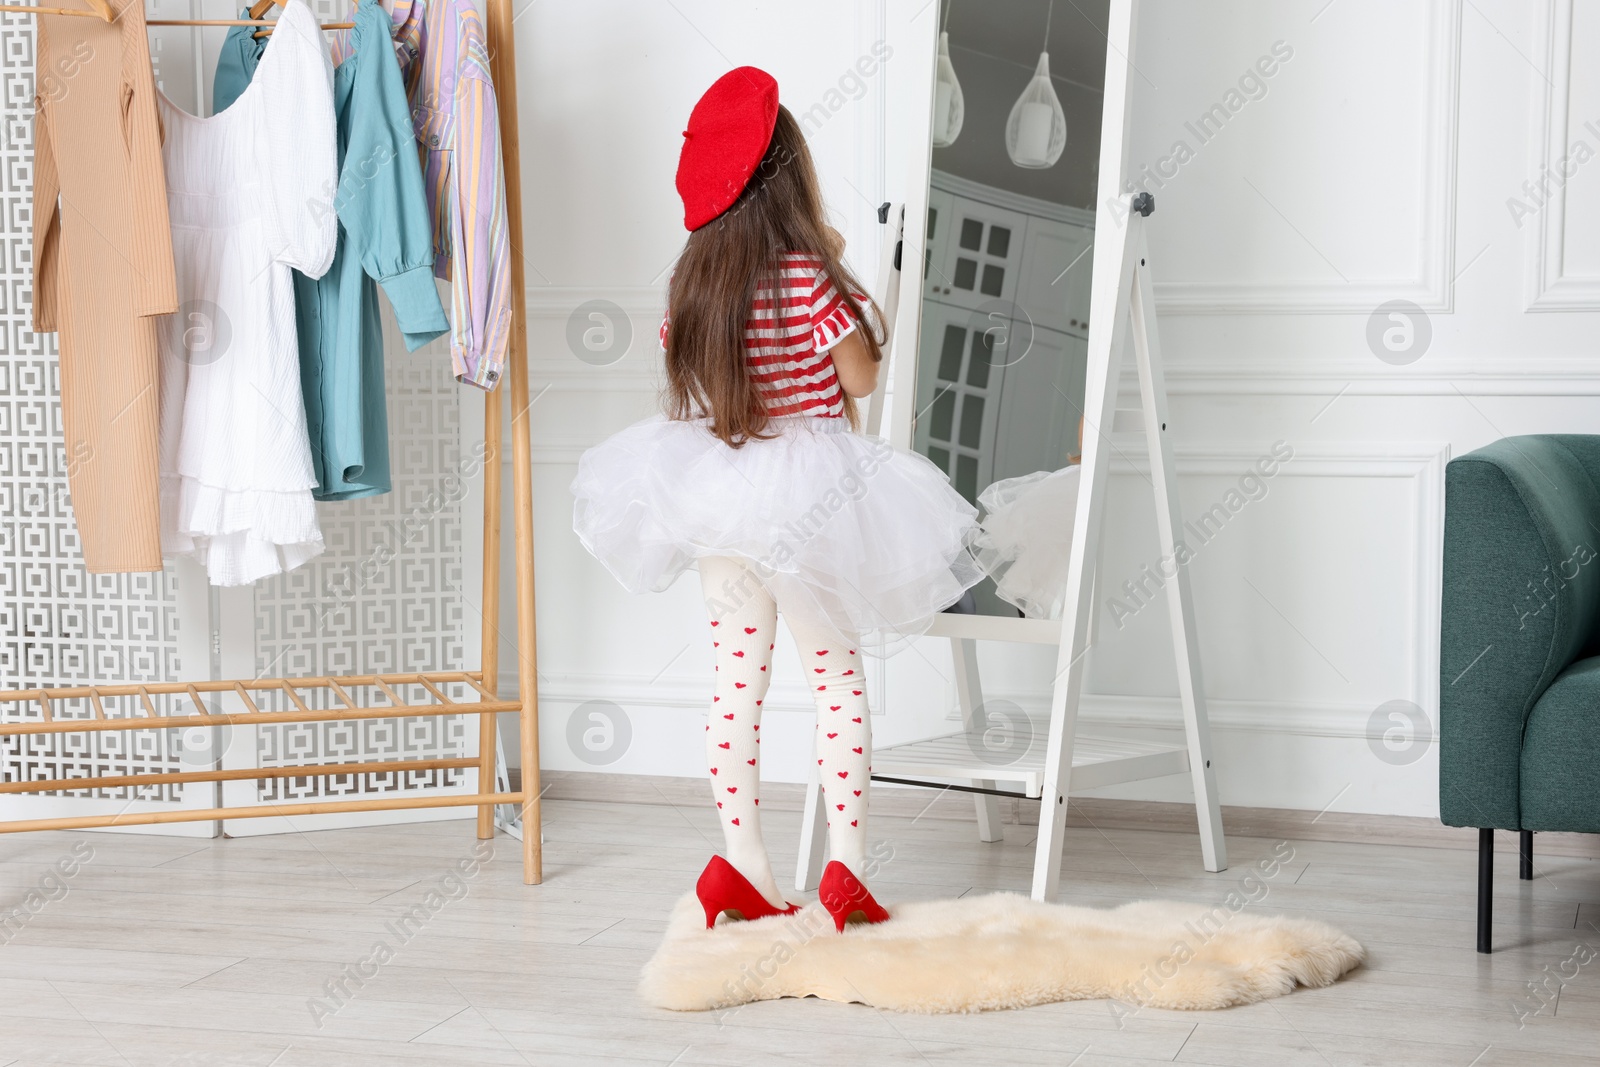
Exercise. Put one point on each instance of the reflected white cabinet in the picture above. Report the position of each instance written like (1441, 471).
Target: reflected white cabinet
(1003, 352)
(986, 244)
(997, 396)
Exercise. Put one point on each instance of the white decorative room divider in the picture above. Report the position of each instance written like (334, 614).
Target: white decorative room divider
(60, 625)
(389, 595)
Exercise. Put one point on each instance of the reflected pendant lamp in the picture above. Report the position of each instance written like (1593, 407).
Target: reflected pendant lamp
(1036, 132)
(948, 106)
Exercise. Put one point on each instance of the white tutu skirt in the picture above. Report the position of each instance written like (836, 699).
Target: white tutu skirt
(844, 530)
(1026, 541)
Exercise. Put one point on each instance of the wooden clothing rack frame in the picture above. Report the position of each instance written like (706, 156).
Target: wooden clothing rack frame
(341, 693)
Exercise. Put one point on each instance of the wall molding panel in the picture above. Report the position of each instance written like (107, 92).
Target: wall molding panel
(1433, 287)
(1365, 376)
(1550, 287)
(1421, 463)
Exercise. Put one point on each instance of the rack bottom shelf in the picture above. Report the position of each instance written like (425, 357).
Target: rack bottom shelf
(257, 702)
(264, 811)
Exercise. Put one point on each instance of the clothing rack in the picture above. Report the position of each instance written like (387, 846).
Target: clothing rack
(341, 692)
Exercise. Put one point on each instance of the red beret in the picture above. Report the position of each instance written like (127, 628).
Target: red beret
(729, 130)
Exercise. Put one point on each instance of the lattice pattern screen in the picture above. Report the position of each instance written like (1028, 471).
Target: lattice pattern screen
(59, 625)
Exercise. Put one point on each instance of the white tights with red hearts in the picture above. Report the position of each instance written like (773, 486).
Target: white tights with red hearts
(744, 623)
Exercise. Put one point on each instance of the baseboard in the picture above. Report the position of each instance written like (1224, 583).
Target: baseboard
(1162, 816)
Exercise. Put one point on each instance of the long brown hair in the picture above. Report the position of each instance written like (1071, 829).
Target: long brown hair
(714, 286)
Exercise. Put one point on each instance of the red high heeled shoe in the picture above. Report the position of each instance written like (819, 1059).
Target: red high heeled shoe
(843, 895)
(722, 888)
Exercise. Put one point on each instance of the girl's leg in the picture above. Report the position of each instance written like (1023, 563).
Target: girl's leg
(832, 666)
(743, 622)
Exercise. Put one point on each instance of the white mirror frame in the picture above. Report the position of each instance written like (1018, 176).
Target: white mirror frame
(1121, 316)
(1109, 216)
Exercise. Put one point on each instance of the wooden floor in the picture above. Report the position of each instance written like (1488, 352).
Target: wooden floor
(265, 951)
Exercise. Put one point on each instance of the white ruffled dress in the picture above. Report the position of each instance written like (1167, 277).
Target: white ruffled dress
(245, 190)
(843, 529)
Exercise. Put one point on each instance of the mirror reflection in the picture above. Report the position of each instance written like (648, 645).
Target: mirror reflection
(1006, 275)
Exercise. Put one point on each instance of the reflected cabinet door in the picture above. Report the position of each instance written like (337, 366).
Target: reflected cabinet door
(981, 251)
(1041, 403)
(1053, 280)
(960, 375)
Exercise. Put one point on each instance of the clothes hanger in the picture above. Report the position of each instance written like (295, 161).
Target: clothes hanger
(259, 9)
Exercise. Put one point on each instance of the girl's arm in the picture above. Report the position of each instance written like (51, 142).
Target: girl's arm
(852, 360)
(853, 363)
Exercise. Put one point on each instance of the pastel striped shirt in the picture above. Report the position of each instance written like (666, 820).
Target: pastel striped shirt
(443, 49)
(791, 329)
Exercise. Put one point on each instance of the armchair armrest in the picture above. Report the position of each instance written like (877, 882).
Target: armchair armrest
(1521, 593)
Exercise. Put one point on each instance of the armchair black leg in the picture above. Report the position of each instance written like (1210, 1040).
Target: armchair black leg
(1525, 871)
(1485, 887)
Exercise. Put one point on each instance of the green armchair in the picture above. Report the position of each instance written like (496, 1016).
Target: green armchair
(1519, 665)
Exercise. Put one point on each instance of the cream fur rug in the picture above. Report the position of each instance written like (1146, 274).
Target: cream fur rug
(997, 951)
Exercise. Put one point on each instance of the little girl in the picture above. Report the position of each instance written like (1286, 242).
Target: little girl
(755, 476)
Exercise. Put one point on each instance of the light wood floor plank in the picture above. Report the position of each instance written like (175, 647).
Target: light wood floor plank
(176, 951)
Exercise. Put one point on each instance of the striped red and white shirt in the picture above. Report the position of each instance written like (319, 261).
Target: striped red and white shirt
(787, 338)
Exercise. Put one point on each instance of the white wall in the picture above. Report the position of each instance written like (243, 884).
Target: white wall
(1377, 166)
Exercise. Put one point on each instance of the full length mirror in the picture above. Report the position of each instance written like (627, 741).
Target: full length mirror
(1001, 353)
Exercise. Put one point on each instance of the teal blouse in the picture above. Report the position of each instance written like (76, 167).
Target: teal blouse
(385, 238)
